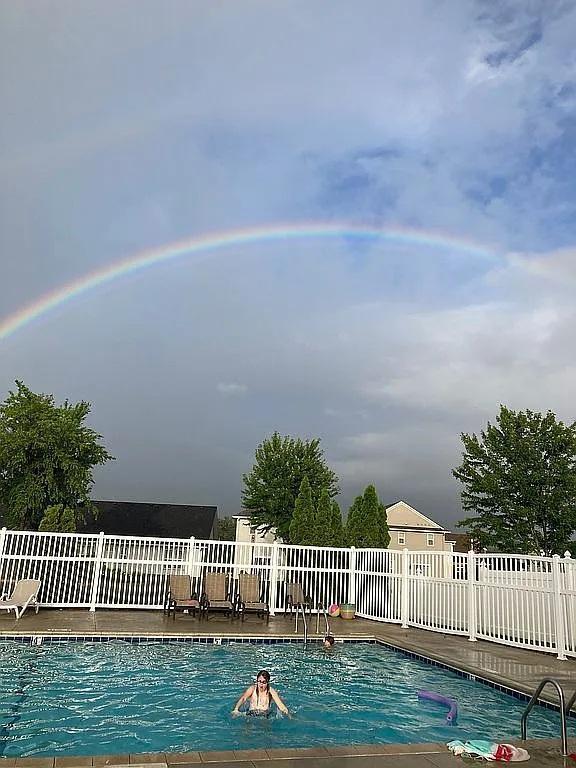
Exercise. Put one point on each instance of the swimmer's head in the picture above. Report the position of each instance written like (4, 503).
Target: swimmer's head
(328, 641)
(263, 680)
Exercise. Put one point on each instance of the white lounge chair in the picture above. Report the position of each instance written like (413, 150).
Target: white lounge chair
(25, 593)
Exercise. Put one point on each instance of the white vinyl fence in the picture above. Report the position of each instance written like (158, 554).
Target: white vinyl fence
(518, 600)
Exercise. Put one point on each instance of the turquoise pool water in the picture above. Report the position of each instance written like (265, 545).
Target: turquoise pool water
(114, 698)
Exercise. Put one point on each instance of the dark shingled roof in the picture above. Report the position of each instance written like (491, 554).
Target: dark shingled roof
(135, 518)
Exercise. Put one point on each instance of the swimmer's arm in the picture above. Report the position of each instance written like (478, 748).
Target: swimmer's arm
(245, 696)
(278, 701)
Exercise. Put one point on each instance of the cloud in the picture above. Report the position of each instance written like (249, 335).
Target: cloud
(124, 131)
(557, 268)
(231, 389)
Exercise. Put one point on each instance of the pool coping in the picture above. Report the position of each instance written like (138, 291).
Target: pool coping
(152, 759)
(253, 757)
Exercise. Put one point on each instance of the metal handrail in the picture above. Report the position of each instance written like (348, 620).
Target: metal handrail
(301, 607)
(321, 608)
(534, 699)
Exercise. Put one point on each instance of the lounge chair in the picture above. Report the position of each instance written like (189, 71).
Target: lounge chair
(250, 597)
(295, 598)
(180, 596)
(25, 593)
(215, 595)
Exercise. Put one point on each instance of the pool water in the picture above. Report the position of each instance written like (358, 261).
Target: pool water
(76, 698)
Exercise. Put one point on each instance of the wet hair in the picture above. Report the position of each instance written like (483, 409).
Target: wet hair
(266, 675)
(329, 639)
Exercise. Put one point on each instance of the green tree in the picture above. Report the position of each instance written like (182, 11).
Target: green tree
(226, 529)
(47, 455)
(303, 523)
(367, 524)
(383, 530)
(323, 535)
(272, 485)
(337, 528)
(354, 522)
(58, 518)
(519, 478)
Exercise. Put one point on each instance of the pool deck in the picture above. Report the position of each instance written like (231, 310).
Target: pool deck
(514, 668)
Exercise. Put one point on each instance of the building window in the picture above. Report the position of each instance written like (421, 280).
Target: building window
(430, 538)
(401, 538)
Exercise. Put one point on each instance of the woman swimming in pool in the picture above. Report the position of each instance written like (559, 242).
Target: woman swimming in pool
(260, 697)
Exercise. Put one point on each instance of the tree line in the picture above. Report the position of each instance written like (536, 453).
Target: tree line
(518, 479)
(290, 489)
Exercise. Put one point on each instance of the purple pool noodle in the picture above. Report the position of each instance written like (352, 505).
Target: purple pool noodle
(440, 699)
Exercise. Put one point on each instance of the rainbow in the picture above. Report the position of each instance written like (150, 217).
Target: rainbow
(221, 240)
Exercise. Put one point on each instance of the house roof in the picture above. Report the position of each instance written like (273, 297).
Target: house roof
(401, 516)
(135, 518)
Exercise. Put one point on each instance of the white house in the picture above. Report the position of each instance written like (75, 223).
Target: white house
(246, 534)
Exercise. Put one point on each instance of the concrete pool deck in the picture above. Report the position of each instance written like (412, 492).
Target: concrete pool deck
(515, 668)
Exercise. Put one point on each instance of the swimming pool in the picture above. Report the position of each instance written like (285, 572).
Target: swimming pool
(75, 698)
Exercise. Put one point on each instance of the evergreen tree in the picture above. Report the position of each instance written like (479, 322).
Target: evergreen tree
(323, 524)
(367, 524)
(302, 525)
(383, 530)
(354, 523)
(336, 525)
(519, 478)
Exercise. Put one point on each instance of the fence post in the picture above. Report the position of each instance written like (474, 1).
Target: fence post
(405, 589)
(471, 595)
(2, 543)
(558, 608)
(352, 576)
(273, 579)
(568, 570)
(191, 556)
(97, 571)
(570, 584)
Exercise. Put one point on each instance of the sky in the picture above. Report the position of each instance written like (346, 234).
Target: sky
(407, 171)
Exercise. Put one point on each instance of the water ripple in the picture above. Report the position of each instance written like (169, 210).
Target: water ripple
(98, 698)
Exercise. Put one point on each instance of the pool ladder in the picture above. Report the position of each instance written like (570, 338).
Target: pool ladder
(321, 608)
(564, 711)
(300, 608)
